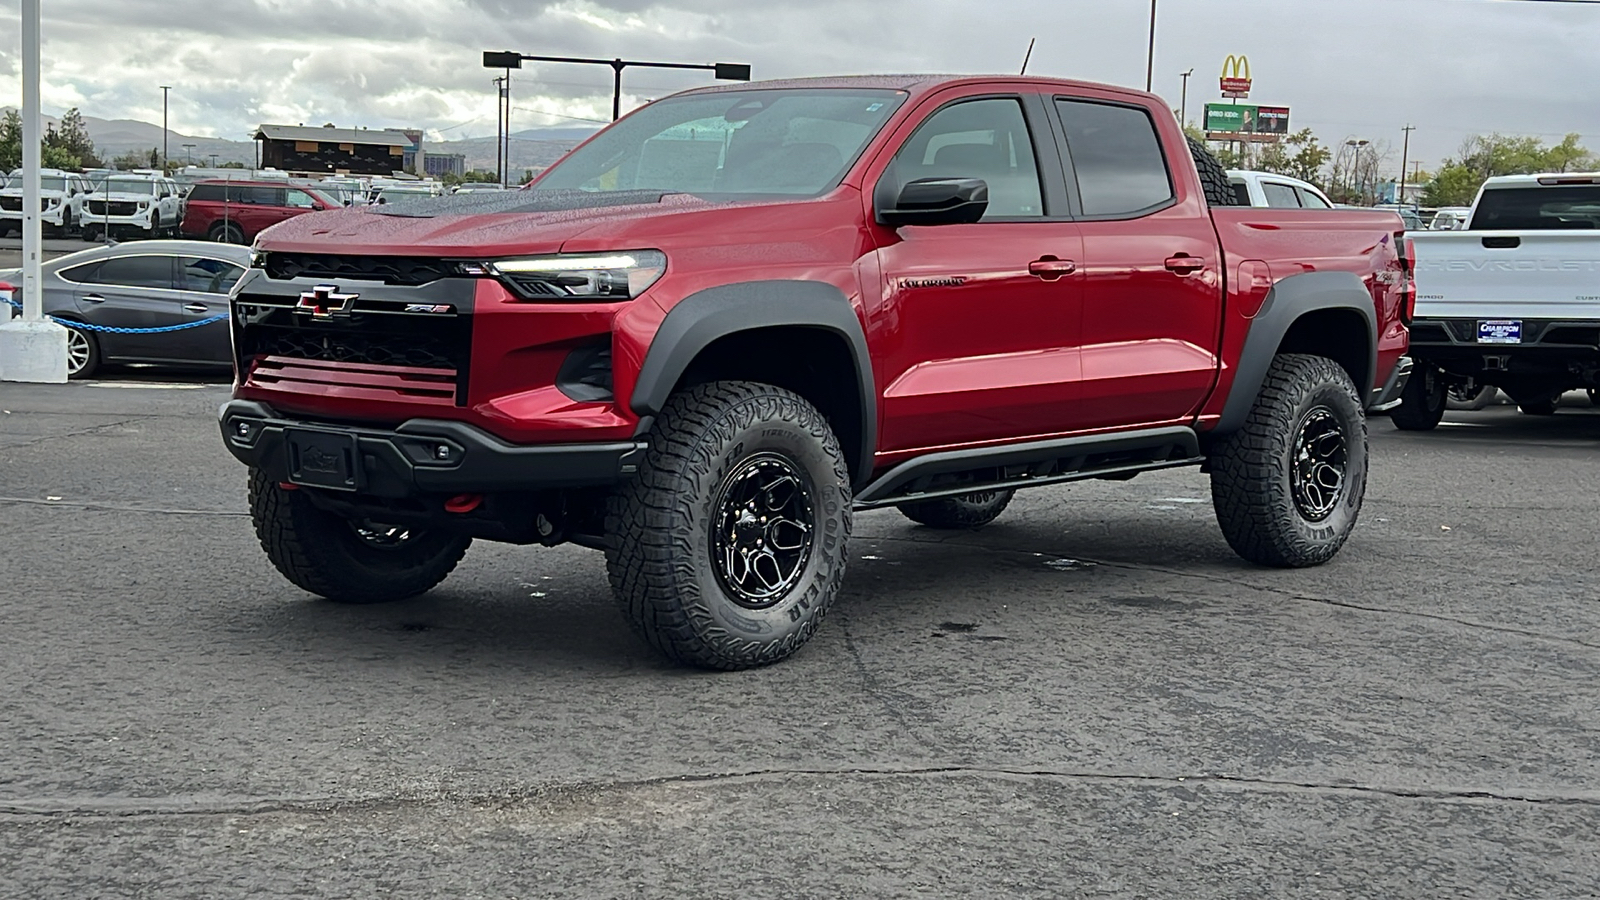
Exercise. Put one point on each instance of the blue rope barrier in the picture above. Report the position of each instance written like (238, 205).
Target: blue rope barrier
(112, 329)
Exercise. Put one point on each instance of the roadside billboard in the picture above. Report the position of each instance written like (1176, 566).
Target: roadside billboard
(1246, 118)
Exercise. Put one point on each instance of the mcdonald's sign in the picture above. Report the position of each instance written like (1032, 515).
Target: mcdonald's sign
(1236, 76)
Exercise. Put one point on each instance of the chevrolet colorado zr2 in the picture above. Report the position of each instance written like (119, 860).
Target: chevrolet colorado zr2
(707, 337)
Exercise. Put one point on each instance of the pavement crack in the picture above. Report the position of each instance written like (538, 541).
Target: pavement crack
(1292, 595)
(122, 507)
(81, 431)
(112, 808)
(874, 689)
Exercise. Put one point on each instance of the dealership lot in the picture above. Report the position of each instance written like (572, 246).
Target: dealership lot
(1091, 696)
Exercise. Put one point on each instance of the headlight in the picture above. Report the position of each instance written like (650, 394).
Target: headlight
(597, 277)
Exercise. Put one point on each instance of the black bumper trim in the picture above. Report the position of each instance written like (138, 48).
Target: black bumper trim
(1388, 396)
(433, 455)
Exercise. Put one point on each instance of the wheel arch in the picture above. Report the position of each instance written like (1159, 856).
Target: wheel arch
(1321, 313)
(803, 336)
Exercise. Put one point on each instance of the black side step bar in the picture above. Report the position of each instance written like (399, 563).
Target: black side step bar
(1015, 466)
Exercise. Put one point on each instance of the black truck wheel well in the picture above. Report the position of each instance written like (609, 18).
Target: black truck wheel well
(1340, 334)
(813, 362)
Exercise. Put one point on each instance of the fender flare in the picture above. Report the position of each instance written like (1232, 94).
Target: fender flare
(706, 316)
(1289, 299)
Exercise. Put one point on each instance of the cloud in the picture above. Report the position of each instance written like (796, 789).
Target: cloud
(1359, 67)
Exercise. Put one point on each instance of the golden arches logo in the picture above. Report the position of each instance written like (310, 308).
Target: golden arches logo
(1236, 67)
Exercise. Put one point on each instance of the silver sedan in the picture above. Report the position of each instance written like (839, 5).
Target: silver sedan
(161, 302)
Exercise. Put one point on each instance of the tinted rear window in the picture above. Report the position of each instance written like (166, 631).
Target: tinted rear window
(1538, 208)
(206, 192)
(1116, 157)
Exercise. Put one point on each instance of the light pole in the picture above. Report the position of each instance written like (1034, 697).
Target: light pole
(164, 89)
(1183, 105)
(509, 59)
(500, 128)
(188, 150)
(1150, 55)
(1405, 150)
(213, 160)
(1355, 168)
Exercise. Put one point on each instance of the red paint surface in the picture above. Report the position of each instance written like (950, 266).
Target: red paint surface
(968, 348)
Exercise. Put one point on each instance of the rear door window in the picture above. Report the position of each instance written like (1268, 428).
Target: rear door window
(144, 271)
(1116, 157)
(206, 192)
(1280, 196)
(1310, 199)
(1241, 193)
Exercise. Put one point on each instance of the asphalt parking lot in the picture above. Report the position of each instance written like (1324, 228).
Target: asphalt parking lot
(1091, 697)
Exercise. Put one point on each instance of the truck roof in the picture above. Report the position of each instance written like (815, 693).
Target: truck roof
(1546, 179)
(913, 84)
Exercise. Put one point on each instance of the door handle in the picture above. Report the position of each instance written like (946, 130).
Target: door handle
(195, 307)
(1184, 264)
(1049, 268)
(93, 298)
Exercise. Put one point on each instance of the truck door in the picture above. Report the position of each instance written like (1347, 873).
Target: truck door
(1152, 280)
(979, 323)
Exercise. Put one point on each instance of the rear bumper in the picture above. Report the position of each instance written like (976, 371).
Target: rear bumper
(1551, 350)
(431, 456)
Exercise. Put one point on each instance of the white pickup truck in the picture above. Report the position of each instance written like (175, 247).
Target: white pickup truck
(1512, 302)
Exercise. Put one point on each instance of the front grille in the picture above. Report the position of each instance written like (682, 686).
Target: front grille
(421, 351)
(391, 340)
(395, 270)
(117, 208)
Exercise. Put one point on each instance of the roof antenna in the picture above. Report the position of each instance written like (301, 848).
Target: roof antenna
(1027, 57)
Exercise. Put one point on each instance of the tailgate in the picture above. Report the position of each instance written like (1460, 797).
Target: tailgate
(1507, 274)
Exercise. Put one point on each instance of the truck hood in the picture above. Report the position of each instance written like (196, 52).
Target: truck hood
(119, 196)
(46, 194)
(486, 224)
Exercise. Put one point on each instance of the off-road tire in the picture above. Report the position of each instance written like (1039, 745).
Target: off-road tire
(323, 554)
(1422, 401)
(1213, 177)
(966, 511)
(659, 526)
(1253, 470)
(1537, 405)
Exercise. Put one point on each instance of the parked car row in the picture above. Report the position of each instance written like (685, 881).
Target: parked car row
(132, 204)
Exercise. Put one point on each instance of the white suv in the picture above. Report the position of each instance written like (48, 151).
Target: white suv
(133, 204)
(1277, 191)
(60, 201)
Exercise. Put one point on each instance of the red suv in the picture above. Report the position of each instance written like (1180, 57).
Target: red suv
(236, 211)
(713, 334)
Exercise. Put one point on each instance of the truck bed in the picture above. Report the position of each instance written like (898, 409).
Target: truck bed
(1508, 274)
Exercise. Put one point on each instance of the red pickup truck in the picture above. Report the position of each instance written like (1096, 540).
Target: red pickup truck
(713, 332)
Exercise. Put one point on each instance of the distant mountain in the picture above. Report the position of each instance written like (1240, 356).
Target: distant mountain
(532, 148)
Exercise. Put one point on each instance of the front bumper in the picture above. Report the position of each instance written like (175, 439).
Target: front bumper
(138, 220)
(1388, 397)
(49, 216)
(429, 456)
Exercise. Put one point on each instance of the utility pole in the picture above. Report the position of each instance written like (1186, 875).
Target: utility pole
(499, 132)
(32, 348)
(1405, 150)
(509, 59)
(1183, 113)
(505, 97)
(1150, 55)
(164, 89)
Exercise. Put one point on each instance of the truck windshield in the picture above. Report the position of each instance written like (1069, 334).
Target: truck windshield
(129, 186)
(1538, 208)
(785, 142)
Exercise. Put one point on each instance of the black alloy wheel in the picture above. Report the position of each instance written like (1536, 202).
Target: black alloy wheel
(761, 538)
(1321, 456)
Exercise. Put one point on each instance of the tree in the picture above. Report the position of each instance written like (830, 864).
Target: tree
(72, 135)
(1484, 156)
(10, 141)
(1306, 161)
(133, 159)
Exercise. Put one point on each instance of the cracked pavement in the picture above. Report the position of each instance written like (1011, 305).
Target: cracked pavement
(1092, 697)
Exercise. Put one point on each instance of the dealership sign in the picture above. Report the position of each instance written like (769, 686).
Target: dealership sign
(1236, 77)
(1246, 118)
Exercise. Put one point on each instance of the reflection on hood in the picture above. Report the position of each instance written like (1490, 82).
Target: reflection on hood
(491, 202)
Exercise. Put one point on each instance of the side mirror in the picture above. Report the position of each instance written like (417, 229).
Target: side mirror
(938, 201)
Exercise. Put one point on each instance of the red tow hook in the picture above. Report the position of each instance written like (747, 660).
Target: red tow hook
(463, 503)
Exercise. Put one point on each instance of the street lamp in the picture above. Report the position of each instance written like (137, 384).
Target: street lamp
(213, 160)
(164, 89)
(188, 150)
(510, 59)
(1183, 111)
(1355, 168)
(1150, 56)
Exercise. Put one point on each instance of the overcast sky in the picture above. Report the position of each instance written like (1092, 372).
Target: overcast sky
(1347, 68)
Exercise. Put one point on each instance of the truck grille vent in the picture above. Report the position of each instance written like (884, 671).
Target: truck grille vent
(396, 270)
